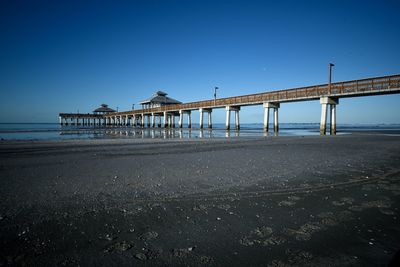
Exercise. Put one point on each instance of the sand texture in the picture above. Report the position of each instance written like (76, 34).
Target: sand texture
(275, 201)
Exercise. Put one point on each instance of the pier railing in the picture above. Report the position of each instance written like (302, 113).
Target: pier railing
(363, 87)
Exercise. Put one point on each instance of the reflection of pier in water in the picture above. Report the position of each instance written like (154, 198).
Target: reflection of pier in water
(146, 133)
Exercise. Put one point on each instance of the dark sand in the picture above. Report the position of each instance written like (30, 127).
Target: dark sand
(285, 201)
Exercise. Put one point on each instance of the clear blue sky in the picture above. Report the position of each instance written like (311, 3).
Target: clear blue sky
(64, 56)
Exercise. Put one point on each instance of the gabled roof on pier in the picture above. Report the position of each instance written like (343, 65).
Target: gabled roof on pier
(161, 98)
(104, 108)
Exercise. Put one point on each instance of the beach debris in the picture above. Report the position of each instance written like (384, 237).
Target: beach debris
(120, 246)
(343, 201)
(278, 263)
(152, 253)
(245, 241)
(372, 204)
(274, 240)
(199, 208)
(149, 236)
(224, 206)
(261, 235)
(206, 260)
(263, 231)
(305, 231)
(140, 256)
(294, 198)
(182, 252)
(286, 203)
(387, 211)
(299, 256)
(107, 237)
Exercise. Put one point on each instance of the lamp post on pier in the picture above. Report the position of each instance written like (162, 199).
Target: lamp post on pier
(215, 95)
(330, 76)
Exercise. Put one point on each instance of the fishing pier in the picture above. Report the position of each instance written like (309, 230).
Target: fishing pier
(166, 115)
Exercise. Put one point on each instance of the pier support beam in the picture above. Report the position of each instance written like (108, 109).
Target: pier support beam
(165, 119)
(237, 124)
(180, 118)
(159, 120)
(153, 120)
(181, 114)
(208, 111)
(267, 106)
(201, 118)
(276, 123)
(189, 119)
(209, 119)
(173, 120)
(325, 101)
(333, 120)
(228, 116)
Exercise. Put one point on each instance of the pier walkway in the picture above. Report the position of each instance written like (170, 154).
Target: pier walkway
(328, 94)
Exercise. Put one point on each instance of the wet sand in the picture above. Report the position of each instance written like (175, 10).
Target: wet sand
(275, 201)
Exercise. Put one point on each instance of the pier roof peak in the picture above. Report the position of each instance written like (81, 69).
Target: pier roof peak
(103, 109)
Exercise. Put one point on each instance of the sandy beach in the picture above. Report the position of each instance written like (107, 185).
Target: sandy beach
(273, 201)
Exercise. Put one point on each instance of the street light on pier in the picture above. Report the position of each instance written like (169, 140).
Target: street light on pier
(330, 76)
(215, 95)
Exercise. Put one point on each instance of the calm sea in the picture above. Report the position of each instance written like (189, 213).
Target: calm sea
(53, 131)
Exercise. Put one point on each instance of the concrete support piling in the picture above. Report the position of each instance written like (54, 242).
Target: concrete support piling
(267, 106)
(173, 120)
(201, 118)
(325, 101)
(209, 120)
(276, 124)
(322, 125)
(266, 118)
(333, 120)
(165, 119)
(237, 125)
(228, 116)
(180, 118)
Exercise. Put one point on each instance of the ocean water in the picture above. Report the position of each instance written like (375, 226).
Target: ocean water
(54, 131)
